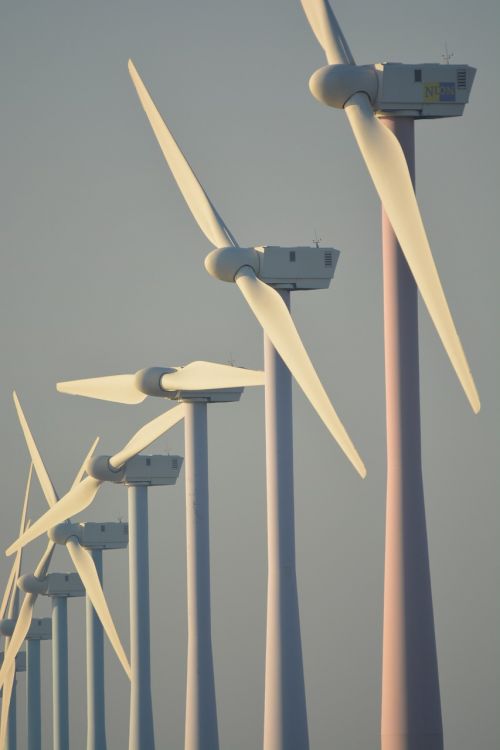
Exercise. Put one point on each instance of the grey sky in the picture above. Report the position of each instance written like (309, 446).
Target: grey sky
(102, 272)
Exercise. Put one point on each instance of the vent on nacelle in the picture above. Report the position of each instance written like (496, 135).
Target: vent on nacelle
(461, 79)
(328, 259)
(175, 463)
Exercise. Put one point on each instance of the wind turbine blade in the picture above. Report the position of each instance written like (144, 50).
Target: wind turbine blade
(327, 31)
(22, 626)
(6, 699)
(147, 435)
(22, 523)
(387, 166)
(207, 375)
(11, 581)
(86, 569)
(274, 317)
(76, 500)
(41, 471)
(209, 221)
(16, 565)
(118, 388)
(81, 470)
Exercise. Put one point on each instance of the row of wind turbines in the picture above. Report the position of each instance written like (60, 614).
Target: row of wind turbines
(265, 276)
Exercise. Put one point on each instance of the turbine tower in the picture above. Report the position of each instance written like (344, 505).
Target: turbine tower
(138, 474)
(39, 630)
(95, 538)
(59, 587)
(382, 102)
(195, 385)
(10, 605)
(266, 275)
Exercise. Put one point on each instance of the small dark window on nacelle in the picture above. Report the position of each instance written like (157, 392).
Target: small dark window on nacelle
(418, 74)
(148, 462)
(103, 527)
(292, 256)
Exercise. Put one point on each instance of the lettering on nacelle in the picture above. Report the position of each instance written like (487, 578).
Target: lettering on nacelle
(439, 92)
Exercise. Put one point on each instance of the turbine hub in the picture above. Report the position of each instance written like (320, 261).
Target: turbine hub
(100, 468)
(7, 627)
(334, 85)
(224, 263)
(30, 584)
(148, 381)
(64, 531)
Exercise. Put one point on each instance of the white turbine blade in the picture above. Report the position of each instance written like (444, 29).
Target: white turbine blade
(11, 582)
(209, 221)
(207, 375)
(118, 388)
(274, 317)
(147, 435)
(81, 470)
(6, 699)
(327, 31)
(21, 628)
(41, 471)
(10, 589)
(76, 500)
(387, 166)
(22, 523)
(86, 569)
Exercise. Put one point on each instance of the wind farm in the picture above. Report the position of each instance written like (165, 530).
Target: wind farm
(251, 598)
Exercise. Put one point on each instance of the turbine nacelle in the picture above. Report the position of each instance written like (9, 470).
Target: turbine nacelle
(422, 91)
(146, 470)
(90, 535)
(40, 629)
(54, 584)
(284, 267)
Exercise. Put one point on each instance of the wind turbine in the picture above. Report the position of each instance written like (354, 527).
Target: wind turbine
(382, 102)
(59, 587)
(265, 276)
(196, 385)
(138, 474)
(10, 606)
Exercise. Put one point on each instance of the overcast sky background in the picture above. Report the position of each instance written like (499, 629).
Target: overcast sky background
(102, 273)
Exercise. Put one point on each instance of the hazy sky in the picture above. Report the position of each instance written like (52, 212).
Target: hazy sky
(102, 272)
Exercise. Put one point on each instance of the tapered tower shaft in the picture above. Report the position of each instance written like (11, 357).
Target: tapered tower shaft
(60, 707)
(141, 734)
(11, 738)
(201, 731)
(285, 714)
(411, 709)
(96, 724)
(33, 688)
